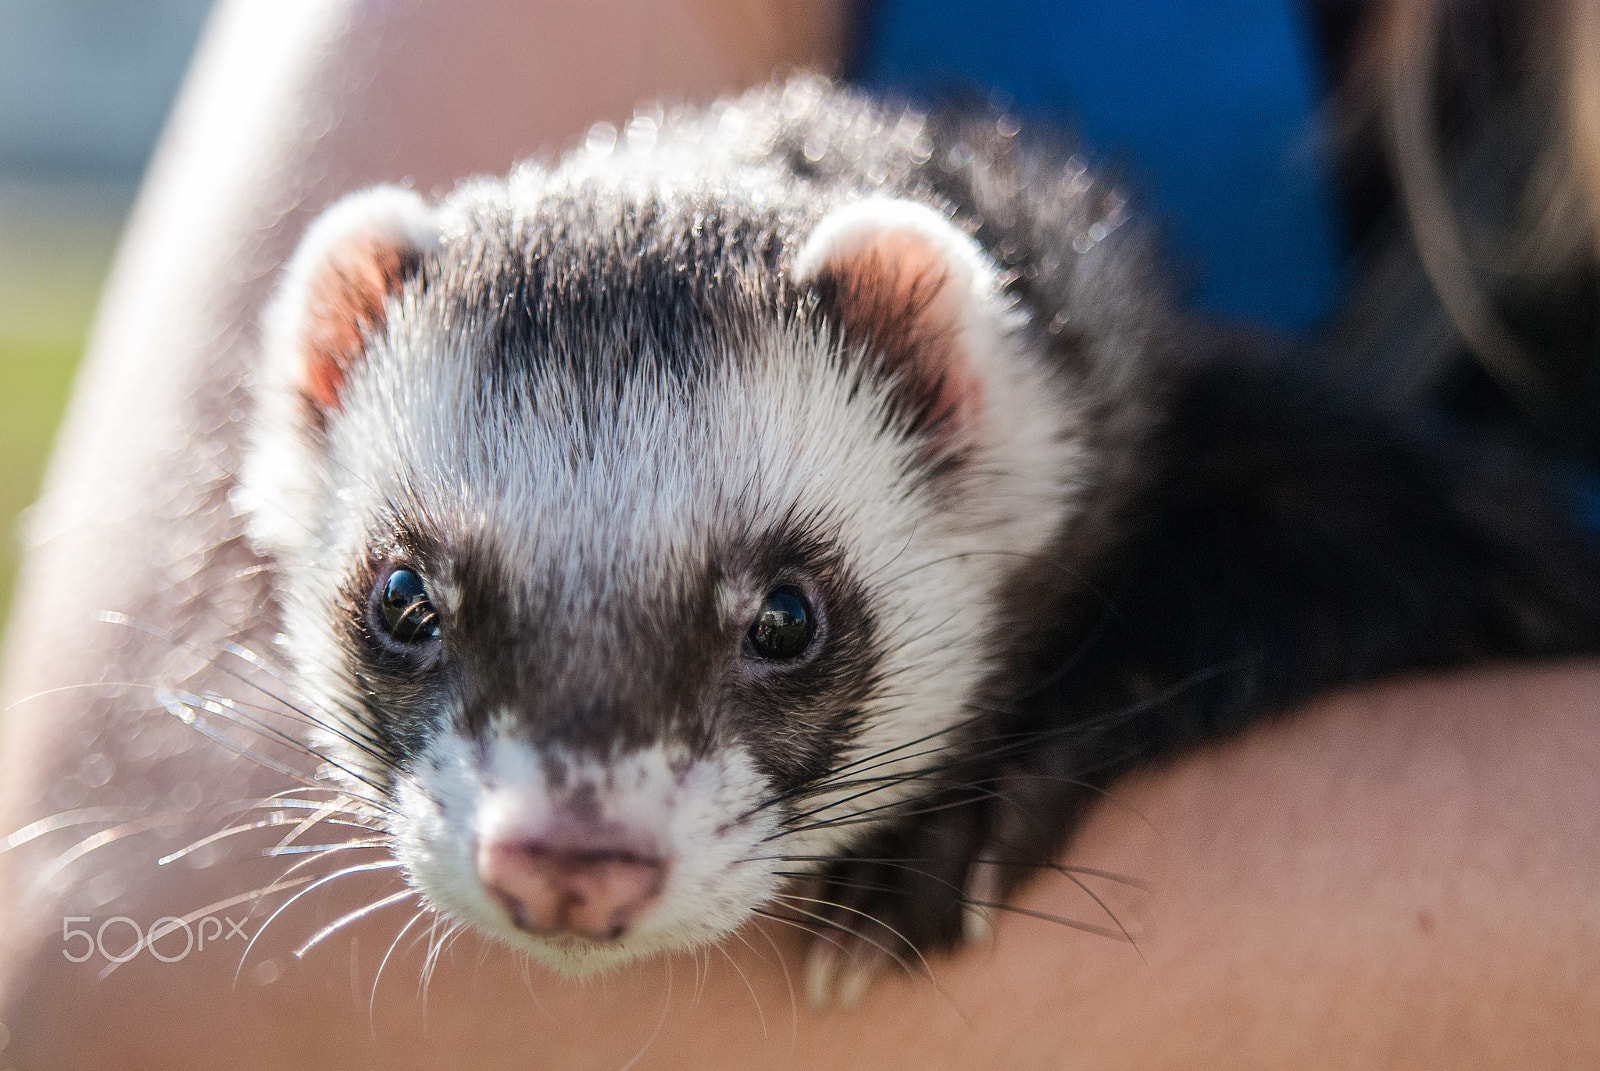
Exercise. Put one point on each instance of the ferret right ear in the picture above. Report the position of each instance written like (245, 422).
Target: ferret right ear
(357, 255)
(908, 285)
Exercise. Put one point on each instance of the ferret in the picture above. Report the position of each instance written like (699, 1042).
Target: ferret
(810, 485)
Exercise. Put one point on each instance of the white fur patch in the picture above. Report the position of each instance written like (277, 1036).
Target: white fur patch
(700, 815)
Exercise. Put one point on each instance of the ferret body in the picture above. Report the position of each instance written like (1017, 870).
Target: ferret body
(809, 485)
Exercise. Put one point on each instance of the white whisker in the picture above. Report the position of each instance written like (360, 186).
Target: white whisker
(372, 1001)
(353, 916)
(317, 883)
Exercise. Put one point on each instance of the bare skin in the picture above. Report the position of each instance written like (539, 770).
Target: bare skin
(1404, 876)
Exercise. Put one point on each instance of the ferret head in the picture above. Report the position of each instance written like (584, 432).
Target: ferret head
(619, 521)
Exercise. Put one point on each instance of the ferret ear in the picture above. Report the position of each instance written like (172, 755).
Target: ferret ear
(333, 299)
(357, 254)
(911, 287)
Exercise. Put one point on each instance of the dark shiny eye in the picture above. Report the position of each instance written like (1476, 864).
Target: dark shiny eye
(784, 627)
(406, 611)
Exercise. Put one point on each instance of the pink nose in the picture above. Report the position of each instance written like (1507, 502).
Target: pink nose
(595, 893)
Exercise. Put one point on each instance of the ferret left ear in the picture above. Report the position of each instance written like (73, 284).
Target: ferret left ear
(355, 257)
(336, 294)
(917, 293)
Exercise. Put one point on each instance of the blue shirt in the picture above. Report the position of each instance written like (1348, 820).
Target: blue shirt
(1209, 106)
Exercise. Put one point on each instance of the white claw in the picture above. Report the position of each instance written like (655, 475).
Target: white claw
(822, 965)
(983, 887)
(865, 964)
(977, 926)
(838, 977)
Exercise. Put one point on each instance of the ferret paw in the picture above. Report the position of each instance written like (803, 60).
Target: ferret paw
(860, 932)
(903, 896)
(839, 971)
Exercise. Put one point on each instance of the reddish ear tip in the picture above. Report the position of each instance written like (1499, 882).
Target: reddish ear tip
(902, 305)
(345, 307)
(903, 283)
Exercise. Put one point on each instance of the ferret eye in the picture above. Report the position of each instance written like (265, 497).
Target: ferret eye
(784, 627)
(405, 610)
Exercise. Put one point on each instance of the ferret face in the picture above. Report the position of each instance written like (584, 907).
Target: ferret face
(623, 530)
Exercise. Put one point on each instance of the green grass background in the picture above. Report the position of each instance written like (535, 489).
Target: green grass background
(56, 244)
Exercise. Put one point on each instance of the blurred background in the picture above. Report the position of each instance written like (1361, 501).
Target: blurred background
(1263, 136)
(84, 88)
